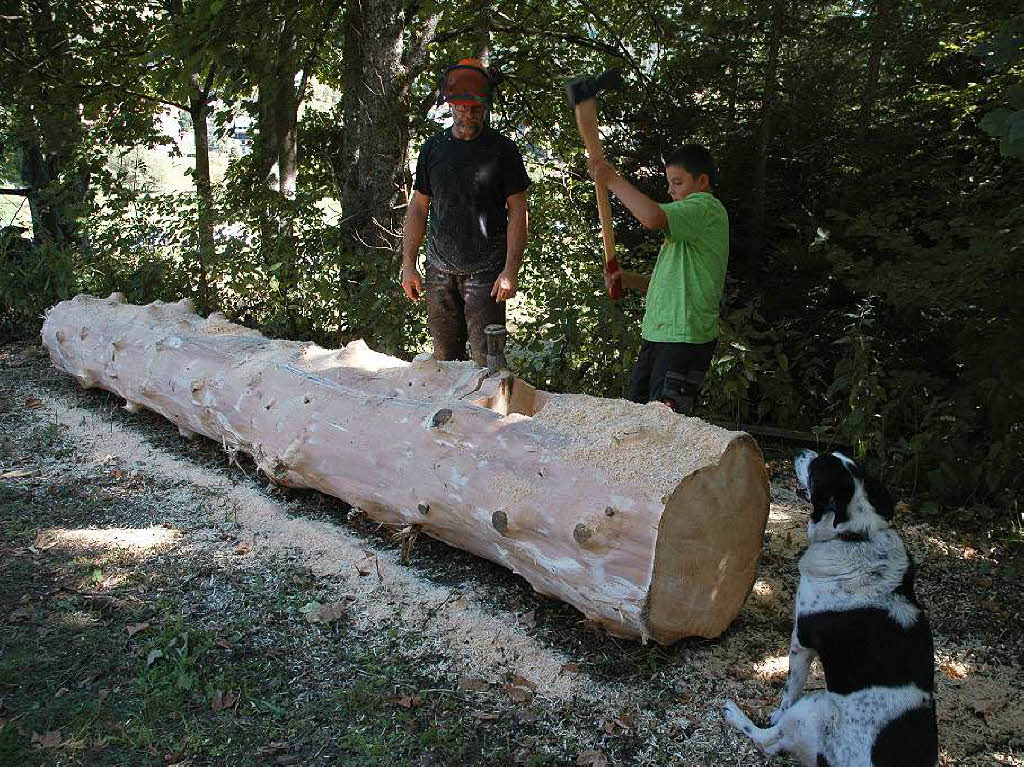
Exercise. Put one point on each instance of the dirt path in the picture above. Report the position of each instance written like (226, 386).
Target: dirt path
(112, 521)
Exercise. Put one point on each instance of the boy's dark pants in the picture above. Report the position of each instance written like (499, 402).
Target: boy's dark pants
(672, 373)
(459, 307)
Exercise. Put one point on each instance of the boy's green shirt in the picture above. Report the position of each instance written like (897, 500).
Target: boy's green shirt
(689, 275)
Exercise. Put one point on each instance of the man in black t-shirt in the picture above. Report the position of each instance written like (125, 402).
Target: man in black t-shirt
(471, 185)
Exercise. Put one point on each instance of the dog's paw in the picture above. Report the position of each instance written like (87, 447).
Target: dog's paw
(735, 718)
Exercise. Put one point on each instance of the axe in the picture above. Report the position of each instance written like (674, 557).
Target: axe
(582, 92)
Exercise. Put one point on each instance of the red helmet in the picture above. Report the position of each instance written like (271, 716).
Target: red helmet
(467, 82)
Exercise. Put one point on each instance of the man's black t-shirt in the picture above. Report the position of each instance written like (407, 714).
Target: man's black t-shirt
(468, 183)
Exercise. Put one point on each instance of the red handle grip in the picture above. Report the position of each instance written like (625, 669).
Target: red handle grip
(615, 291)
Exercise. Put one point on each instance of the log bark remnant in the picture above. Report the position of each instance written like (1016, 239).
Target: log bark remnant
(648, 522)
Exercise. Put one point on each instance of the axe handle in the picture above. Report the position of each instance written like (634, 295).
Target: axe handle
(586, 121)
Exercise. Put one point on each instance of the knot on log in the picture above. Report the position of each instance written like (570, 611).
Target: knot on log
(499, 521)
(441, 417)
(424, 508)
(116, 298)
(583, 533)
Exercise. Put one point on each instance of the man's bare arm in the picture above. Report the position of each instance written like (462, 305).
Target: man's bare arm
(507, 284)
(413, 231)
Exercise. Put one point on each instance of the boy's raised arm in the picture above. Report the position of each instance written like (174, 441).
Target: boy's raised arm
(644, 209)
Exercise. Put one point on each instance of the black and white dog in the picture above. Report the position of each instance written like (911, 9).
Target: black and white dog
(856, 611)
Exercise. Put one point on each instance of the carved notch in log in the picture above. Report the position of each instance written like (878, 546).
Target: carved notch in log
(648, 522)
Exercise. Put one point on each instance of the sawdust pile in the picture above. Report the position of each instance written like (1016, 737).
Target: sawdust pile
(646, 445)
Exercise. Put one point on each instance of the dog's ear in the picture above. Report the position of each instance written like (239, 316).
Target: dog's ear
(879, 497)
(831, 489)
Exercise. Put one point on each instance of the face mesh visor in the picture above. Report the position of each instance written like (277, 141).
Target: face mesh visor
(467, 85)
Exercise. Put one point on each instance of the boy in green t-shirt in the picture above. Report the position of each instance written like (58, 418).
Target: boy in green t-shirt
(680, 327)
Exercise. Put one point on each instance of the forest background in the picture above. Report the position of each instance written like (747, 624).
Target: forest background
(871, 155)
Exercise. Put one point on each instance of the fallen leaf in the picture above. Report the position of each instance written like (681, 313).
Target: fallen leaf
(155, 653)
(51, 739)
(103, 693)
(366, 565)
(592, 759)
(310, 607)
(273, 747)
(473, 683)
(222, 700)
(570, 668)
(408, 701)
(61, 692)
(529, 619)
(326, 613)
(951, 670)
(518, 694)
(243, 550)
(136, 628)
(609, 727)
(18, 474)
(522, 681)
(33, 402)
(223, 644)
(485, 716)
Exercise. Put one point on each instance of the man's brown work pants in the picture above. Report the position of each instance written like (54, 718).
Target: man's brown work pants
(459, 307)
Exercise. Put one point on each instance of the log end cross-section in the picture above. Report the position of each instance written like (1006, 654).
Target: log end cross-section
(648, 522)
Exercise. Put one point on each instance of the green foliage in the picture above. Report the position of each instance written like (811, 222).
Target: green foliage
(1005, 51)
(31, 281)
(749, 380)
(882, 303)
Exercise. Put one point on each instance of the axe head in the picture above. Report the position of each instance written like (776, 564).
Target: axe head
(580, 89)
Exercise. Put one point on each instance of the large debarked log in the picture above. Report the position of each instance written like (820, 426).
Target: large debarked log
(648, 522)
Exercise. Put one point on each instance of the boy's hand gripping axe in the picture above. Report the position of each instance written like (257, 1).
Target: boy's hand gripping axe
(582, 92)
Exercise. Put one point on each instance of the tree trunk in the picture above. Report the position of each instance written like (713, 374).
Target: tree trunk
(199, 110)
(764, 139)
(648, 522)
(879, 29)
(375, 149)
(56, 181)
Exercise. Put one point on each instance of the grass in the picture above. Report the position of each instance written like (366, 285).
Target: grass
(69, 666)
(299, 693)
